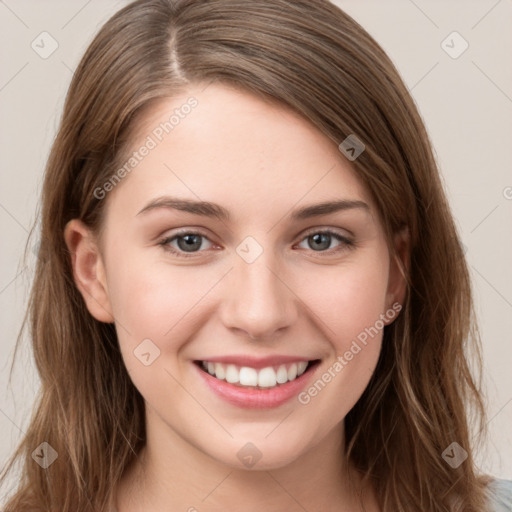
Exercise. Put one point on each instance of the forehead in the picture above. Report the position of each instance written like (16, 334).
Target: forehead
(217, 142)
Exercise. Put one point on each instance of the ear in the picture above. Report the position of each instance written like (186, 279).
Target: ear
(398, 271)
(88, 269)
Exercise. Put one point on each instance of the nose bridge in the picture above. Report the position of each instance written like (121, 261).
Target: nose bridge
(257, 300)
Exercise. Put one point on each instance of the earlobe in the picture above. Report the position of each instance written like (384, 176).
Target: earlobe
(399, 270)
(88, 269)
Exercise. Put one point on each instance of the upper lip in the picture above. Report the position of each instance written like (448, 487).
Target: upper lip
(257, 362)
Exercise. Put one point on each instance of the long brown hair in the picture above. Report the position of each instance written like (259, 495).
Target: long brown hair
(312, 57)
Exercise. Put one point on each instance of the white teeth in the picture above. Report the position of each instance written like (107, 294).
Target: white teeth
(232, 374)
(282, 374)
(292, 372)
(268, 377)
(248, 376)
(301, 368)
(220, 371)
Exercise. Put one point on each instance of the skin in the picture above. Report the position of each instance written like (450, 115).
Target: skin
(260, 161)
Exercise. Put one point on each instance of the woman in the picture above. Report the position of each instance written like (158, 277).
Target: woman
(249, 283)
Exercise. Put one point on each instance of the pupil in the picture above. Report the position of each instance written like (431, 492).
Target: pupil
(191, 242)
(321, 239)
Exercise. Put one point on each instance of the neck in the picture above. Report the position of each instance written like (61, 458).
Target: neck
(171, 474)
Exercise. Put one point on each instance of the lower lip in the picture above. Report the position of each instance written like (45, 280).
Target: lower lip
(256, 398)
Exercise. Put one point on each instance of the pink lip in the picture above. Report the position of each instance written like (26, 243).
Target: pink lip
(248, 398)
(257, 362)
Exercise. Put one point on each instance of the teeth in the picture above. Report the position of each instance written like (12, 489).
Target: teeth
(292, 372)
(232, 374)
(220, 371)
(248, 376)
(282, 374)
(268, 377)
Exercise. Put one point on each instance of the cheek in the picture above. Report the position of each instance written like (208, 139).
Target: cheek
(349, 304)
(154, 300)
(348, 298)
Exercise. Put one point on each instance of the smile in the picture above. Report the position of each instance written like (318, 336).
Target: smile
(246, 376)
(250, 383)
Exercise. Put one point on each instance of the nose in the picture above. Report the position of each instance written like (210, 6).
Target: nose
(258, 302)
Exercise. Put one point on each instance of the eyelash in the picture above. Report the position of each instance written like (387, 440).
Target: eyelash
(346, 242)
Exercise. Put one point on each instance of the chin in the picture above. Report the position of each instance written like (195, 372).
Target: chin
(260, 453)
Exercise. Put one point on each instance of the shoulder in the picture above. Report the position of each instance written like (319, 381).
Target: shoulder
(500, 495)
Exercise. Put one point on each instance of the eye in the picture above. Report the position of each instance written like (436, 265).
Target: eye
(320, 241)
(185, 242)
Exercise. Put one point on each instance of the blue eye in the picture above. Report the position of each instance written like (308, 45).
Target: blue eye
(320, 241)
(187, 242)
(190, 242)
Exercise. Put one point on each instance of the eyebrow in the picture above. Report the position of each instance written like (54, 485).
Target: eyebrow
(209, 209)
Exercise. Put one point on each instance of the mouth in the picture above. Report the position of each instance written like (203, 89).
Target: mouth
(266, 378)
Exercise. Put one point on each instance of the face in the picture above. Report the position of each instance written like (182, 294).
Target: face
(246, 312)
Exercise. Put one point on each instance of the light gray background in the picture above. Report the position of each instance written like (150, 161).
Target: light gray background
(466, 103)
